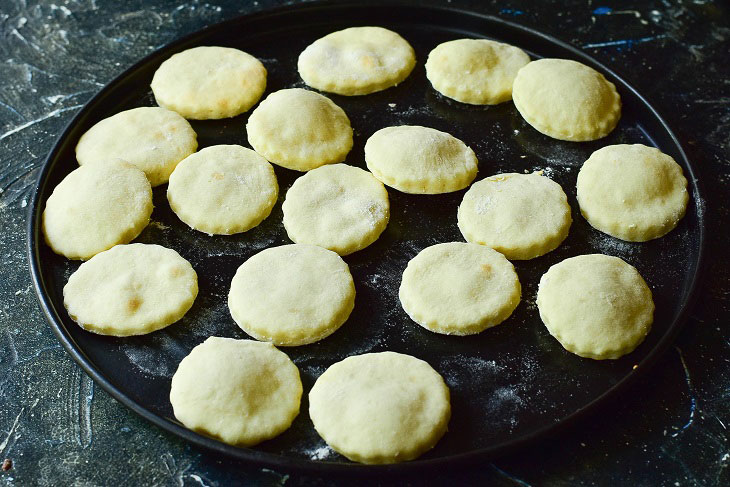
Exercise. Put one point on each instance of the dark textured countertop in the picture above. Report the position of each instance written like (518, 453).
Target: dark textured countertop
(57, 428)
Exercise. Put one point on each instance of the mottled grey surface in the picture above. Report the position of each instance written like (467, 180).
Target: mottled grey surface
(59, 429)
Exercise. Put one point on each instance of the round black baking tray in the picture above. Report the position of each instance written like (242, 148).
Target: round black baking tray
(510, 384)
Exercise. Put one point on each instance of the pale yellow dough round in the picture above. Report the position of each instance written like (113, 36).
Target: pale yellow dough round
(96, 207)
(566, 100)
(596, 306)
(338, 207)
(241, 392)
(380, 408)
(292, 295)
(223, 189)
(299, 129)
(131, 290)
(632, 192)
(459, 288)
(475, 71)
(523, 216)
(152, 138)
(209, 82)
(357, 61)
(421, 160)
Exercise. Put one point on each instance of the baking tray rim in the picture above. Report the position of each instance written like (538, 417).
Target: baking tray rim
(266, 459)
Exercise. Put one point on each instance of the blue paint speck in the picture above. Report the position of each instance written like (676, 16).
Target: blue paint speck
(627, 43)
(602, 11)
(510, 11)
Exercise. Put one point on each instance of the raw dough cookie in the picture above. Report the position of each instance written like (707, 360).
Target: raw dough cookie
(566, 100)
(522, 216)
(223, 189)
(292, 295)
(338, 207)
(239, 391)
(420, 160)
(380, 407)
(152, 138)
(475, 71)
(131, 290)
(96, 207)
(632, 192)
(597, 306)
(209, 82)
(299, 129)
(459, 288)
(357, 61)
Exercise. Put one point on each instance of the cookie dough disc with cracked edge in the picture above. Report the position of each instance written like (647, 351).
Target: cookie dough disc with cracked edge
(209, 82)
(475, 71)
(338, 207)
(96, 207)
(380, 408)
(459, 288)
(523, 216)
(566, 100)
(239, 391)
(292, 295)
(597, 306)
(152, 138)
(131, 290)
(420, 160)
(223, 189)
(632, 192)
(299, 129)
(357, 61)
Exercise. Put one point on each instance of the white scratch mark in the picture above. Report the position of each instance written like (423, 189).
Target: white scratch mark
(4, 444)
(13, 350)
(693, 401)
(623, 42)
(176, 473)
(38, 120)
(86, 397)
(20, 36)
(3, 104)
(37, 353)
(280, 477)
(198, 479)
(511, 477)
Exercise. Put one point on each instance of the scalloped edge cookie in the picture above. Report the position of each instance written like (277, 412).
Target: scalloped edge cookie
(459, 288)
(339, 207)
(597, 306)
(299, 129)
(153, 139)
(632, 192)
(241, 392)
(523, 216)
(209, 82)
(566, 100)
(420, 160)
(357, 61)
(131, 289)
(292, 294)
(380, 408)
(95, 207)
(475, 71)
(223, 189)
